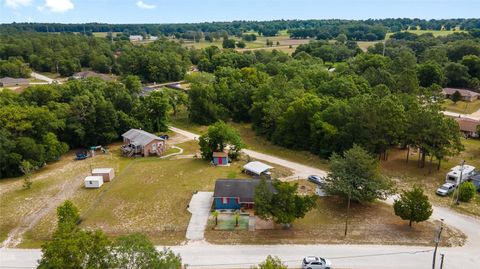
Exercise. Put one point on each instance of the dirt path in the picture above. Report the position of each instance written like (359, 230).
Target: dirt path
(29, 221)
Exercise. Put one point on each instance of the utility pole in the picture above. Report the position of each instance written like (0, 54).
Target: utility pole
(459, 182)
(437, 241)
(441, 260)
(348, 209)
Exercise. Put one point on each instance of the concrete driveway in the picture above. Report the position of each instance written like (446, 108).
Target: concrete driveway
(200, 208)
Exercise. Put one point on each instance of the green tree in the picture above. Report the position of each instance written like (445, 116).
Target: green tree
(271, 263)
(456, 96)
(156, 107)
(457, 75)
(27, 170)
(133, 84)
(467, 191)
(71, 247)
(241, 44)
(284, 205)
(413, 205)
(356, 176)
(53, 148)
(430, 73)
(218, 136)
(137, 252)
(228, 43)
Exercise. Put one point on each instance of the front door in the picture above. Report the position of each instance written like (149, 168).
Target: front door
(220, 161)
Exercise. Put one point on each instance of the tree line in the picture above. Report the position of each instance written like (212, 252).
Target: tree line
(68, 53)
(266, 28)
(44, 121)
(371, 100)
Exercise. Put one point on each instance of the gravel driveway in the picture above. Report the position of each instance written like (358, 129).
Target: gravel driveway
(200, 208)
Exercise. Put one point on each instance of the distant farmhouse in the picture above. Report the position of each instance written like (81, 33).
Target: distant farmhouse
(136, 38)
(13, 82)
(234, 194)
(468, 126)
(139, 142)
(90, 74)
(467, 95)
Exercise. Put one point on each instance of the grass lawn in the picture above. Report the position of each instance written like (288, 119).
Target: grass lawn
(148, 195)
(364, 45)
(408, 174)
(462, 106)
(227, 222)
(369, 224)
(283, 39)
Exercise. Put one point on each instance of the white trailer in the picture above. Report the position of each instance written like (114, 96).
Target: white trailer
(453, 176)
(93, 182)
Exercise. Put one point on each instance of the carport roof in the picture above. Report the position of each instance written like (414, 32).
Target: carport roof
(257, 167)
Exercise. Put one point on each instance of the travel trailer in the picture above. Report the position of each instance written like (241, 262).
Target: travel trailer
(453, 176)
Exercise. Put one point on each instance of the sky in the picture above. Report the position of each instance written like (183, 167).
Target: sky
(177, 11)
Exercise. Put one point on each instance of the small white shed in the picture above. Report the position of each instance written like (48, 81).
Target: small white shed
(107, 173)
(93, 182)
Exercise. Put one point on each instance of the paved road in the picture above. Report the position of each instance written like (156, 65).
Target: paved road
(475, 115)
(200, 208)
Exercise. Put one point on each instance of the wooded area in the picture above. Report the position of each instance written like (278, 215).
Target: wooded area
(324, 98)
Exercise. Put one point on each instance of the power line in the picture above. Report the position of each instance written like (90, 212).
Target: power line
(330, 258)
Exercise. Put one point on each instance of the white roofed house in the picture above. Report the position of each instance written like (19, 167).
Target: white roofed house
(136, 38)
(140, 142)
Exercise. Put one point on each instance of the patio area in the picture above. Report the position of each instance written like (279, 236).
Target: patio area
(227, 221)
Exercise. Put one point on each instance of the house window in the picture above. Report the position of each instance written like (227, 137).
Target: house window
(224, 200)
(90, 182)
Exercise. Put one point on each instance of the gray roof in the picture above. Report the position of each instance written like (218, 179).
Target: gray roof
(242, 188)
(9, 80)
(463, 92)
(140, 137)
(89, 74)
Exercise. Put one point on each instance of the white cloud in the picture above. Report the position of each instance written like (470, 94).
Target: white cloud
(18, 3)
(144, 5)
(57, 5)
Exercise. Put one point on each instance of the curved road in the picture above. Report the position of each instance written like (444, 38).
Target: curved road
(199, 254)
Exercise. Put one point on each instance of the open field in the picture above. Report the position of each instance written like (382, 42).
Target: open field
(148, 195)
(285, 44)
(364, 45)
(461, 106)
(369, 224)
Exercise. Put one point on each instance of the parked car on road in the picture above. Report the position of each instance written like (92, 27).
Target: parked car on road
(313, 262)
(316, 179)
(445, 189)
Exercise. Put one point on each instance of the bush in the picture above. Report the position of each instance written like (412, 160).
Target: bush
(467, 191)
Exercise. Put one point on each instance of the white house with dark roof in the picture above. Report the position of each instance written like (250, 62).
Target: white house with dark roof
(140, 142)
